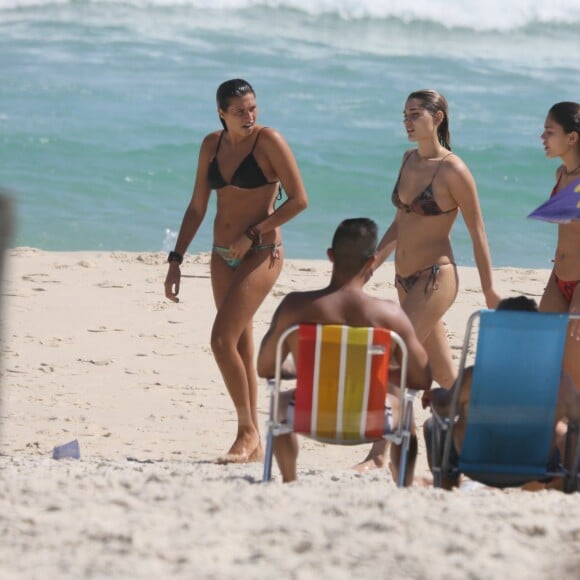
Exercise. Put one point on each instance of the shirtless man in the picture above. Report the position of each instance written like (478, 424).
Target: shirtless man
(343, 301)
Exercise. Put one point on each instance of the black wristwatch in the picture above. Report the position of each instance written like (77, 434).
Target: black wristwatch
(175, 257)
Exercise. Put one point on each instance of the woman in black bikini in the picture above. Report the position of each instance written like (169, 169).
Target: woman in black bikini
(432, 187)
(561, 138)
(245, 164)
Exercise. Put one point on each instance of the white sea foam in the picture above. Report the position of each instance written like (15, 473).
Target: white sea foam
(471, 14)
(108, 102)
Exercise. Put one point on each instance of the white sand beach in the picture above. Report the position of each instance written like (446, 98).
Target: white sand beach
(93, 351)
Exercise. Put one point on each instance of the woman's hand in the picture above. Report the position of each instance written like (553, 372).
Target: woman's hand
(240, 247)
(492, 298)
(172, 281)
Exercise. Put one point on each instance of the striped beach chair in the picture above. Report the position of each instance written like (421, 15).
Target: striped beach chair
(342, 379)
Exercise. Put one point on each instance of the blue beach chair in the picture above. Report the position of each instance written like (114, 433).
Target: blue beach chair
(514, 390)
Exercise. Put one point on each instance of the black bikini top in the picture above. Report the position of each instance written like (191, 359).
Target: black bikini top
(424, 204)
(248, 175)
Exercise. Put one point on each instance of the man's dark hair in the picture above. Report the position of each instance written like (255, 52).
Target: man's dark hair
(354, 242)
(518, 303)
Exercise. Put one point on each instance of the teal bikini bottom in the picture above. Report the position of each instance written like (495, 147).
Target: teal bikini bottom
(224, 253)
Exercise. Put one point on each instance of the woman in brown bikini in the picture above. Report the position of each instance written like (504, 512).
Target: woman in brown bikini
(432, 187)
(561, 138)
(245, 164)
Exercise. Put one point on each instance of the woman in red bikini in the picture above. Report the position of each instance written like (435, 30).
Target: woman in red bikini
(245, 163)
(432, 187)
(561, 138)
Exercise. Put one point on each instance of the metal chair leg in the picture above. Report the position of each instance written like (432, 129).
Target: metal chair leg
(435, 435)
(403, 460)
(406, 438)
(267, 476)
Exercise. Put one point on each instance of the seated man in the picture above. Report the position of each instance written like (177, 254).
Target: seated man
(568, 404)
(343, 301)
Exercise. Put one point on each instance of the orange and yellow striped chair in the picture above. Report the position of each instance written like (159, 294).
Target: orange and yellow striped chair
(342, 380)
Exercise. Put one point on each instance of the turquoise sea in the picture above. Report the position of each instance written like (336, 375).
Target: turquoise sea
(103, 105)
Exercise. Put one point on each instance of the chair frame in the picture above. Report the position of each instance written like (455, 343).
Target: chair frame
(400, 436)
(442, 441)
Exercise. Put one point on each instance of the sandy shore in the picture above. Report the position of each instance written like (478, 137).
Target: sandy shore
(93, 351)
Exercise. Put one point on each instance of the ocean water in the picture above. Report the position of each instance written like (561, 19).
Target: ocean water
(104, 103)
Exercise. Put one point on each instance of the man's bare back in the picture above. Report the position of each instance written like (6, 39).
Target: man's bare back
(343, 301)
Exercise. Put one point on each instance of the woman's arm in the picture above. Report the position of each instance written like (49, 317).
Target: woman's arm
(388, 242)
(463, 190)
(197, 207)
(284, 165)
(192, 219)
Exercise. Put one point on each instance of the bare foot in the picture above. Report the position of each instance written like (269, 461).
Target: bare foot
(257, 455)
(245, 449)
(557, 483)
(369, 464)
(424, 481)
(375, 459)
(534, 486)
(233, 458)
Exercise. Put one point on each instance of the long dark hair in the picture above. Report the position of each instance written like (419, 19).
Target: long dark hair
(230, 89)
(434, 102)
(567, 115)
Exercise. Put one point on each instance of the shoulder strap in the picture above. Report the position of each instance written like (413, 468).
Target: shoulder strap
(405, 159)
(254, 145)
(219, 142)
(439, 166)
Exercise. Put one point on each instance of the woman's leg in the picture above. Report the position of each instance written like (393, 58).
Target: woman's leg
(553, 301)
(238, 295)
(246, 350)
(426, 310)
(439, 353)
(572, 352)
